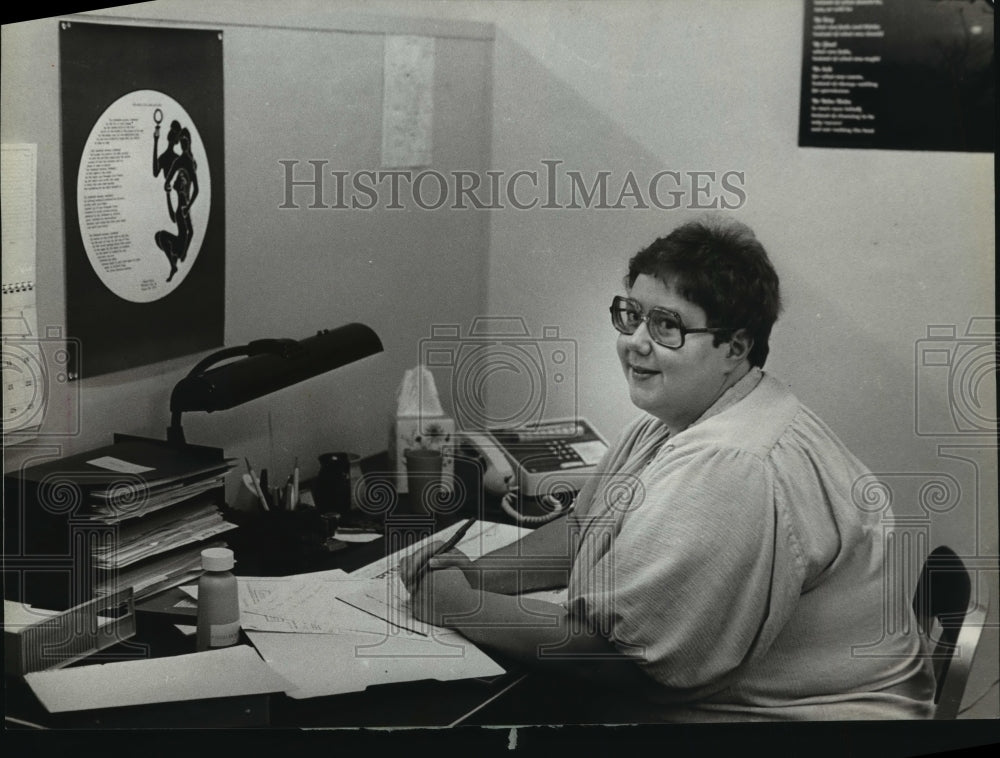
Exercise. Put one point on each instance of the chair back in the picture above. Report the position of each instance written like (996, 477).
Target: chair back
(944, 595)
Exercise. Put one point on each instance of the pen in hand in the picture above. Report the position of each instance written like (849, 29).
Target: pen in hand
(448, 545)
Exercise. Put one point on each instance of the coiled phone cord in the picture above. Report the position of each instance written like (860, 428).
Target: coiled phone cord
(507, 504)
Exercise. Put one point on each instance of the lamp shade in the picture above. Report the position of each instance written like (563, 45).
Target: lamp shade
(281, 364)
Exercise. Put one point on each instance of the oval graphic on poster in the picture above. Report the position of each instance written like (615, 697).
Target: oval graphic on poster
(143, 196)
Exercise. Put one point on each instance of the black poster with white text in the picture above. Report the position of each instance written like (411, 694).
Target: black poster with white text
(143, 175)
(898, 74)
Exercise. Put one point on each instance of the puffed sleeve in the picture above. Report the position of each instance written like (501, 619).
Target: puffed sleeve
(697, 575)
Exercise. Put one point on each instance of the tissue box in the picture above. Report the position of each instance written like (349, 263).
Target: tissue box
(435, 432)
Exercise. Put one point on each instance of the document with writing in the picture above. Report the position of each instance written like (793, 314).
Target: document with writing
(381, 593)
(300, 603)
(396, 647)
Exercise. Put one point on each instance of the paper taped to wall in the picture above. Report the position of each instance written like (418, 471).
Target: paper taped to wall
(407, 101)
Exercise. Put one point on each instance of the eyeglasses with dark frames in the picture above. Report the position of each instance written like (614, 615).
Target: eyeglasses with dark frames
(665, 327)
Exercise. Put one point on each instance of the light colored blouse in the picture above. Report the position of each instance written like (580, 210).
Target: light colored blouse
(733, 562)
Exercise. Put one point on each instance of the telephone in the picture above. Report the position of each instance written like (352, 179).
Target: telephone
(545, 461)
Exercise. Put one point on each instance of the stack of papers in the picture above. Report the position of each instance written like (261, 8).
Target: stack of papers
(156, 574)
(131, 501)
(153, 507)
(141, 538)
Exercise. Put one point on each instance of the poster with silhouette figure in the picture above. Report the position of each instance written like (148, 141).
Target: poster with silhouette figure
(144, 179)
(898, 74)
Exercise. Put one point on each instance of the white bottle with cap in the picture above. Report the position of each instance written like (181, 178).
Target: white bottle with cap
(218, 600)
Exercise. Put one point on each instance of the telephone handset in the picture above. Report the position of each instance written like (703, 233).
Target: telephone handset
(526, 460)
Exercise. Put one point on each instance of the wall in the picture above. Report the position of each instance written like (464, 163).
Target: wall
(873, 247)
(296, 88)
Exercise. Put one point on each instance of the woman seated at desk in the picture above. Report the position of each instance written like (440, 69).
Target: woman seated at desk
(718, 567)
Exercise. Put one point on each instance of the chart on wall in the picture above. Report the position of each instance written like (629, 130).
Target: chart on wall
(898, 74)
(142, 112)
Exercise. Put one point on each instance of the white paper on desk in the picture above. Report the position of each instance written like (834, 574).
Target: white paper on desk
(482, 538)
(357, 536)
(383, 594)
(301, 603)
(191, 590)
(215, 673)
(317, 665)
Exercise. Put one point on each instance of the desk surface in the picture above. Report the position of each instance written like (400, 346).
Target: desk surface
(425, 703)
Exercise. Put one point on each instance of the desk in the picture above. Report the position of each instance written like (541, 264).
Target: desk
(408, 704)
(419, 703)
(411, 704)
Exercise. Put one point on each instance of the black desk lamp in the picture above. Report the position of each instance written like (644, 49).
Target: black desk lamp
(267, 365)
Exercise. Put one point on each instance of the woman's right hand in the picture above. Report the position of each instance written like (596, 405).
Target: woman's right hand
(412, 567)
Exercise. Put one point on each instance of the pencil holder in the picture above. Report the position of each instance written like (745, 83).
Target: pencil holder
(276, 542)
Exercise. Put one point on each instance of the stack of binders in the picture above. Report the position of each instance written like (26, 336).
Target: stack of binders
(135, 514)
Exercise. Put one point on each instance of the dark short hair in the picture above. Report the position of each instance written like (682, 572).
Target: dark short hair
(718, 265)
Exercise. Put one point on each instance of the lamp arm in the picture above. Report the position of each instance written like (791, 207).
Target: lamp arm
(267, 365)
(210, 360)
(286, 348)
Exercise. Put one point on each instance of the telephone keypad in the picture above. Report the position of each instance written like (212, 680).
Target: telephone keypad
(546, 447)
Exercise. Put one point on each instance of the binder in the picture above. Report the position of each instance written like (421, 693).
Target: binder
(163, 463)
(66, 520)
